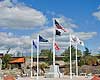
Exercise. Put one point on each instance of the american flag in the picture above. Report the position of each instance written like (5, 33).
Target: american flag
(59, 26)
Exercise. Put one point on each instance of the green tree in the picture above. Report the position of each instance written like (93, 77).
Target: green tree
(42, 66)
(5, 61)
(90, 60)
(87, 58)
(47, 53)
(66, 53)
(82, 61)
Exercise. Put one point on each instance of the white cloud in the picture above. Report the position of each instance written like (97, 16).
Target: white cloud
(22, 43)
(99, 48)
(20, 17)
(51, 13)
(25, 17)
(66, 22)
(97, 13)
(6, 3)
(86, 35)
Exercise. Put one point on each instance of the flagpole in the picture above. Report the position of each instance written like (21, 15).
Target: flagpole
(54, 45)
(31, 57)
(76, 61)
(70, 59)
(37, 56)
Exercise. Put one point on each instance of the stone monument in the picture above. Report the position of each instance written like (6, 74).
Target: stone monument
(53, 72)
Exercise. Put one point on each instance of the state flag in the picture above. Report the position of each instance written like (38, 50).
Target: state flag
(34, 44)
(41, 39)
(75, 39)
(58, 33)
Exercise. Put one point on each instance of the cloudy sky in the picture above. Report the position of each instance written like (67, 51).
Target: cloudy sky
(22, 20)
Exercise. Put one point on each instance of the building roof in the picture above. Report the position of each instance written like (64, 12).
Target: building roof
(17, 60)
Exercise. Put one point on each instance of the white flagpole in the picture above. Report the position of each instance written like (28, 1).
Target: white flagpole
(76, 61)
(31, 57)
(70, 59)
(37, 56)
(54, 45)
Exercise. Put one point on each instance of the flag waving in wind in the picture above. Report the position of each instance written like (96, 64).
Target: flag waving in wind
(58, 33)
(41, 39)
(34, 44)
(81, 43)
(59, 26)
(56, 47)
(75, 39)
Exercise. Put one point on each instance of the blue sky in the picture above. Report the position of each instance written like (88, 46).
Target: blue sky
(21, 20)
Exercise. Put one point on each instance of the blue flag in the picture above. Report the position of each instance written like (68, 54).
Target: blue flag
(41, 39)
(34, 44)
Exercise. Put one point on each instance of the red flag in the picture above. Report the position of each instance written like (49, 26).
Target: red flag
(56, 47)
(59, 26)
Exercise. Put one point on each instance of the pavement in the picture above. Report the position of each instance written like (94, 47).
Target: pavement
(62, 78)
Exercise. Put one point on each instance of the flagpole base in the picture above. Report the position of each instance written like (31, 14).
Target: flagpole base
(53, 72)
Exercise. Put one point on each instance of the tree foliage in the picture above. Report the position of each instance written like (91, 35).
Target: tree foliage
(42, 66)
(66, 53)
(5, 60)
(87, 58)
(47, 53)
